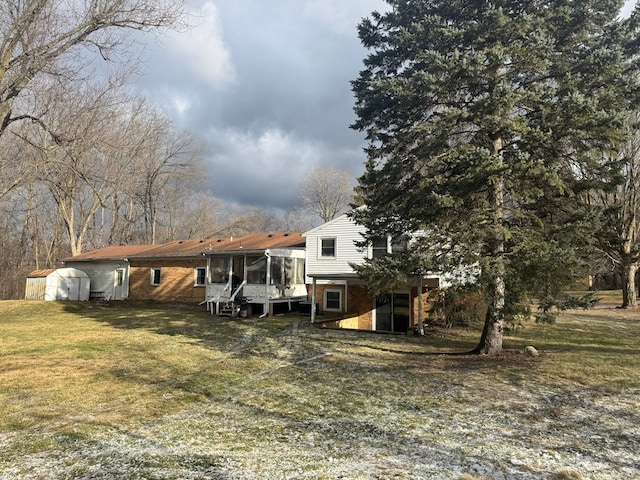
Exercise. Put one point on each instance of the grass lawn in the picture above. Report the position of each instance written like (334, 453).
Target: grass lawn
(140, 391)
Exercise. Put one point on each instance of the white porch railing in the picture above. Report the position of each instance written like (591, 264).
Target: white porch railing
(212, 302)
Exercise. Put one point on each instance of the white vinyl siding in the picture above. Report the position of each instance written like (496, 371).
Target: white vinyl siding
(104, 277)
(346, 233)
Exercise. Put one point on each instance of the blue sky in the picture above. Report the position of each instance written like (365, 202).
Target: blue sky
(266, 84)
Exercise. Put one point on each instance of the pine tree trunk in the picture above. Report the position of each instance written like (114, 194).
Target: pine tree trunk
(495, 317)
(420, 312)
(491, 339)
(629, 296)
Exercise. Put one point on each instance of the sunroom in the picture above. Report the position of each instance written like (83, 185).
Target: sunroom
(255, 282)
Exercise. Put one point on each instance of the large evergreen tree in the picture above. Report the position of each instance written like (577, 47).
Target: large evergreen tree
(487, 122)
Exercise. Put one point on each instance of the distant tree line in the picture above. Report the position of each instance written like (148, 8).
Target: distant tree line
(84, 161)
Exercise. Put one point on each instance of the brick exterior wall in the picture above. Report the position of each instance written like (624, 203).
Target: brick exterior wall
(177, 281)
(359, 313)
(361, 302)
(426, 305)
(360, 305)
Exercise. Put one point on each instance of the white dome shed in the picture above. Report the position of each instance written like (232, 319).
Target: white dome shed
(67, 284)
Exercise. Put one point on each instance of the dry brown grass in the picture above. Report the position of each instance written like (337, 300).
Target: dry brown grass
(566, 475)
(149, 391)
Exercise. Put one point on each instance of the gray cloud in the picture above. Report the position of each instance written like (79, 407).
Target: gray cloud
(266, 84)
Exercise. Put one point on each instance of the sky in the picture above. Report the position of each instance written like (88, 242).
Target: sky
(266, 85)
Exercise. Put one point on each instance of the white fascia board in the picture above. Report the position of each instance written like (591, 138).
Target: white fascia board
(330, 222)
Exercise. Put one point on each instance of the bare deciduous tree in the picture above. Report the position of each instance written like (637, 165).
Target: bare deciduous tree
(103, 150)
(76, 167)
(16, 163)
(619, 240)
(251, 220)
(166, 162)
(192, 215)
(298, 220)
(327, 192)
(37, 37)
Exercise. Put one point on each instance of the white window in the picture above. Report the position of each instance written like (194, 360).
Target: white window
(201, 276)
(382, 246)
(333, 300)
(328, 247)
(400, 244)
(155, 276)
(379, 247)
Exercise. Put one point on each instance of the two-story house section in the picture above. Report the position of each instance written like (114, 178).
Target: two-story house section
(340, 296)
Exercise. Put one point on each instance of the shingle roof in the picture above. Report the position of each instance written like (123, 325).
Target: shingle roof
(193, 248)
(111, 253)
(41, 273)
(257, 241)
(178, 248)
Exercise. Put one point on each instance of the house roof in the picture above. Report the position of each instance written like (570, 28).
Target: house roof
(257, 241)
(41, 273)
(177, 248)
(194, 248)
(111, 253)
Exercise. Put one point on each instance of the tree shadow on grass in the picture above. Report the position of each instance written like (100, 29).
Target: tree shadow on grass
(242, 338)
(292, 338)
(173, 320)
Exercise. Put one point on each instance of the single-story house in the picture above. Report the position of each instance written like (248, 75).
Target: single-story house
(108, 268)
(270, 268)
(169, 272)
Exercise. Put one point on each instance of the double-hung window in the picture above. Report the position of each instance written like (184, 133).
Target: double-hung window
(382, 246)
(328, 247)
(155, 276)
(400, 244)
(201, 276)
(379, 247)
